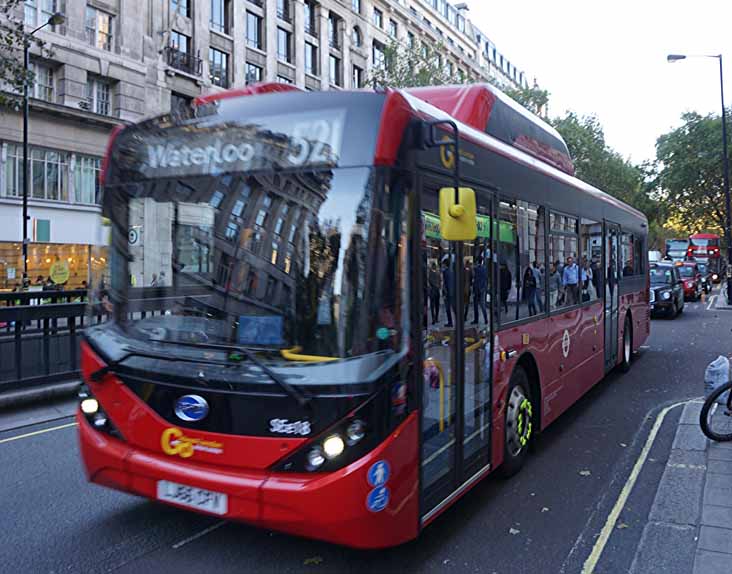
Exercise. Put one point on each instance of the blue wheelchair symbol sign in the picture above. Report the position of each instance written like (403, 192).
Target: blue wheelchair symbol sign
(377, 499)
(379, 473)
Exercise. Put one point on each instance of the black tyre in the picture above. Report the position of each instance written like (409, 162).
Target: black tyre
(518, 424)
(716, 419)
(681, 308)
(673, 311)
(627, 350)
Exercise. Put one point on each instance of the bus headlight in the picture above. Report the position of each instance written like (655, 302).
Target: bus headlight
(346, 440)
(355, 431)
(333, 446)
(94, 413)
(315, 458)
(89, 406)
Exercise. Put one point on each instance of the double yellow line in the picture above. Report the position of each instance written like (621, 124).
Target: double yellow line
(34, 433)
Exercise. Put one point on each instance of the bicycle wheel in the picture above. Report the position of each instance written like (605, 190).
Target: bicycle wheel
(716, 419)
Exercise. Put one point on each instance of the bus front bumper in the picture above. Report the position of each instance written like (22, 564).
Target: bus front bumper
(328, 506)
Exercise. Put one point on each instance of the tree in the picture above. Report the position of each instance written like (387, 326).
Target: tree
(13, 75)
(533, 99)
(690, 173)
(405, 66)
(601, 166)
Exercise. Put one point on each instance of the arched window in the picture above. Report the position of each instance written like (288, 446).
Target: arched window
(356, 37)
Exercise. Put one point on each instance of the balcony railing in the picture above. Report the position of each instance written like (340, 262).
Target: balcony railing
(183, 61)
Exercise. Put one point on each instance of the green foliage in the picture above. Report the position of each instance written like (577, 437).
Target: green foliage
(690, 173)
(13, 37)
(415, 66)
(601, 166)
(533, 99)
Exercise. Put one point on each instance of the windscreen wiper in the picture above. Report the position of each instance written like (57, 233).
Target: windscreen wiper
(112, 365)
(302, 397)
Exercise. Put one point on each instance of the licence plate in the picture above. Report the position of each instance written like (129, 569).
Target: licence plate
(192, 497)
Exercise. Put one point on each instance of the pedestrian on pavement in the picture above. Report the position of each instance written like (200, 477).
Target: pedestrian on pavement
(480, 285)
(435, 287)
(570, 281)
(448, 289)
(505, 285)
(529, 290)
(555, 283)
(538, 293)
(467, 287)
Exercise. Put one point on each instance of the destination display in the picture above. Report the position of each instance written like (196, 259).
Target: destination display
(308, 139)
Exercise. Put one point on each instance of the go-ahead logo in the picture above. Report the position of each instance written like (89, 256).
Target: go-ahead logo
(174, 442)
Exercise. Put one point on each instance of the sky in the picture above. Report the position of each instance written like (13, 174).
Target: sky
(608, 58)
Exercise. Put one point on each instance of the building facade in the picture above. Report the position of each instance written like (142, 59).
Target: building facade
(118, 61)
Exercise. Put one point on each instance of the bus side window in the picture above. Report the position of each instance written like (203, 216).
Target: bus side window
(531, 260)
(565, 275)
(591, 247)
(509, 264)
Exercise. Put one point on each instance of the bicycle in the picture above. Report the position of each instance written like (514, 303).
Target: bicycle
(716, 423)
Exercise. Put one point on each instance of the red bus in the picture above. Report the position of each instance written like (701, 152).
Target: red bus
(293, 341)
(705, 247)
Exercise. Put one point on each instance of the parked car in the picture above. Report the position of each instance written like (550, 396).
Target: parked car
(707, 276)
(667, 289)
(691, 278)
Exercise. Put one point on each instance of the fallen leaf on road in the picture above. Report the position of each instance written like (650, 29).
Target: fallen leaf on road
(585, 473)
(622, 525)
(313, 560)
(623, 444)
(513, 531)
(545, 509)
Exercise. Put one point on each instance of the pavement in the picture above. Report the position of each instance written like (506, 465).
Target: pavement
(622, 482)
(689, 528)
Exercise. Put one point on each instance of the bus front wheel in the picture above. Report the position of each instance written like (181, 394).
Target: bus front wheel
(518, 425)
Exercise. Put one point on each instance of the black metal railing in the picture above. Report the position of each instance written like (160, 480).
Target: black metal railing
(183, 61)
(39, 336)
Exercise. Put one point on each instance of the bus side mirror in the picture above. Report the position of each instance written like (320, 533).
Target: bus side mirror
(458, 220)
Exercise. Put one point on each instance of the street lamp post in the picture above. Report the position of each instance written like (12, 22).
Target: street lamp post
(55, 19)
(725, 164)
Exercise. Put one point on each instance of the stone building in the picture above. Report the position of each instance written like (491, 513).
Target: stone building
(119, 61)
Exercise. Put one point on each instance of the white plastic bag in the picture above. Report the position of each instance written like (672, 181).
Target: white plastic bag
(715, 375)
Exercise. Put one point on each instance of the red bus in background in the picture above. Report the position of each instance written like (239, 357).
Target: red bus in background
(705, 247)
(292, 342)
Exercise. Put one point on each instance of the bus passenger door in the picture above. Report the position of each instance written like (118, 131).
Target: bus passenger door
(456, 377)
(611, 266)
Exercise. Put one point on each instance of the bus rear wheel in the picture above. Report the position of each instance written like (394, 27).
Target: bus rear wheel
(518, 425)
(627, 345)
